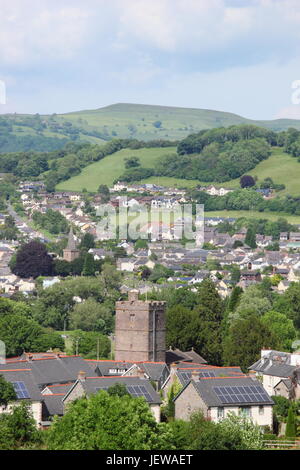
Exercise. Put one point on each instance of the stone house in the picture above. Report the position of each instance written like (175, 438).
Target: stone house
(218, 396)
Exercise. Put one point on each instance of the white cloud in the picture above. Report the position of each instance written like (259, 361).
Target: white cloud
(32, 30)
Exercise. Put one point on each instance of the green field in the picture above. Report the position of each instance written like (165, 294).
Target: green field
(293, 219)
(111, 167)
(280, 166)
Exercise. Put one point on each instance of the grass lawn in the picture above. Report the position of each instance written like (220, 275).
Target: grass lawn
(111, 167)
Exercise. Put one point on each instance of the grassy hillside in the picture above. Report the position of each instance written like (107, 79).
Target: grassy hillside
(280, 166)
(292, 219)
(136, 120)
(111, 167)
(143, 122)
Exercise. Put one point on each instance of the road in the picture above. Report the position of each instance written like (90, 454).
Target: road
(23, 227)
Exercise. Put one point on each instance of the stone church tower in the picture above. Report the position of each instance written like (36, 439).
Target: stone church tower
(71, 252)
(140, 330)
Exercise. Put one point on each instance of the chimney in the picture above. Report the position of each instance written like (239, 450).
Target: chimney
(81, 376)
(140, 373)
(133, 295)
(195, 376)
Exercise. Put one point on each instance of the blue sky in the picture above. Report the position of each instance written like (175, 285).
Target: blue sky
(230, 55)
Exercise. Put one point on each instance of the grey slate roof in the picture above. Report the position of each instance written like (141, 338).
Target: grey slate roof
(53, 405)
(205, 388)
(25, 376)
(184, 375)
(53, 370)
(188, 356)
(92, 385)
(275, 363)
(102, 367)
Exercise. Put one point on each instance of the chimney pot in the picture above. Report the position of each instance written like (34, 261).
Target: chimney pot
(82, 376)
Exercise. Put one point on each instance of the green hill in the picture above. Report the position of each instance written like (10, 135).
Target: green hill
(19, 132)
(111, 167)
(139, 121)
(280, 166)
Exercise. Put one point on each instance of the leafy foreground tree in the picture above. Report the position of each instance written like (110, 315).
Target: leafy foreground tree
(109, 422)
(233, 433)
(18, 430)
(7, 392)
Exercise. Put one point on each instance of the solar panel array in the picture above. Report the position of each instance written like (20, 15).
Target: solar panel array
(241, 394)
(186, 376)
(20, 390)
(139, 391)
(207, 374)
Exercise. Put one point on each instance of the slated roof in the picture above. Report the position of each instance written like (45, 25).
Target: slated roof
(190, 356)
(52, 370)
(184, 375)
(102, 367)
(53, 405)
(27, 378)
(92, 385)
(205, 389)
(269, 366)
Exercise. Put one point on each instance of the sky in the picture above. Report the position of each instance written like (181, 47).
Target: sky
(240, 56)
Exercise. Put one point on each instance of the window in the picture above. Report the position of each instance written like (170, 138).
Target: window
(245, 411)
(220, 412)
(261, 410)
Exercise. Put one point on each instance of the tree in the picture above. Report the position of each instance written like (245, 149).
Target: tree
(18, 333)
(250, 239)
(210, 311)
(103, 190)
(241, 427)
(282, 327)
(290, 431)
(246, 337)
(90, 344)
(18, 429)
(87, 242)
(89, 265)
(181, 326)
(7, 392)
(247, 181)
(234, 298)
(109, 422)
(132, 162)
(90, 315)
(33, 260)
(118, 389)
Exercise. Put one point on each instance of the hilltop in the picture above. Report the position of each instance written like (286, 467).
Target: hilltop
(20, 132)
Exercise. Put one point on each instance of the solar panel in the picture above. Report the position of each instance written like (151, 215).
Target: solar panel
(20, 390)
(139, 391)
(248, 394)
(207, 374)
